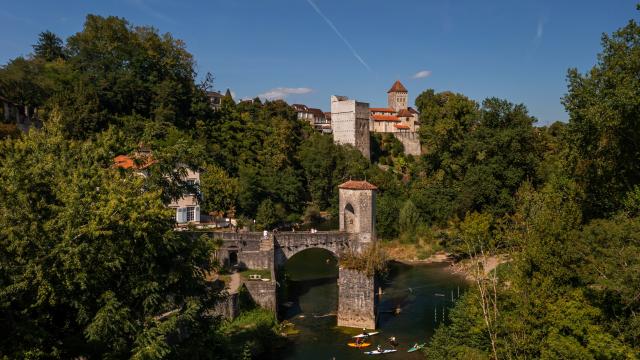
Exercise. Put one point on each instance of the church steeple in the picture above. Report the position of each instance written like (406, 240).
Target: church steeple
(397, 96)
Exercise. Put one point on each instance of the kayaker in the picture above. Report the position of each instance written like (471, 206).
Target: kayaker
(393, 342)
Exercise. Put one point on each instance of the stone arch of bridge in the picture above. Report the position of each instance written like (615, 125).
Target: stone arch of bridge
(288, 245)
(334, 249)
(315, 257)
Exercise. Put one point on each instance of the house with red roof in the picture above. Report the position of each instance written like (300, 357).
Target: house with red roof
(397, 117)
(187, 207)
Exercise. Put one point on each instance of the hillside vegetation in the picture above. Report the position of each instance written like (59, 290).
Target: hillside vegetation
(89, 259)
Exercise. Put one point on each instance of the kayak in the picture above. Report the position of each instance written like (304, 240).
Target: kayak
(416, 348)
(366, 334)
(376, 352)
(361, 345)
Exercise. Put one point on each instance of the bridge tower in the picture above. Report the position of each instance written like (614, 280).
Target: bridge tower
(358, 211)
(356, 290)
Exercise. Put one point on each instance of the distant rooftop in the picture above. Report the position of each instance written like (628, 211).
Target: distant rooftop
(137, 163)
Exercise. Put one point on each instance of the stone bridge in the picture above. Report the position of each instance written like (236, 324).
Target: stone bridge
(288, 244)
(270, 251)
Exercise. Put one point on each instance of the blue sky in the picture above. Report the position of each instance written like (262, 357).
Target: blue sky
(307, 50)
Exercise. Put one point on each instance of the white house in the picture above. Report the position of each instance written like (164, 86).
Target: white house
(187, 207)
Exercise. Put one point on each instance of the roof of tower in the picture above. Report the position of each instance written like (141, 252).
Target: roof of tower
(397, 87)
(357, 185)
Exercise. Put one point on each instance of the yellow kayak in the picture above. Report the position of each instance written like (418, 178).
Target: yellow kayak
(361, 345)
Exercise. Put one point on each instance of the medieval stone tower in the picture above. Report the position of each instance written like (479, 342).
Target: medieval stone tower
(397, 96)
(358, 210)
(350, 123)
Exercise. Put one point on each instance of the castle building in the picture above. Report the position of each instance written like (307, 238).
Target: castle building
(397, 116)
(350, 123)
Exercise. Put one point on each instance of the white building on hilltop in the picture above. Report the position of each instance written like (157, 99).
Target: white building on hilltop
(350, 123)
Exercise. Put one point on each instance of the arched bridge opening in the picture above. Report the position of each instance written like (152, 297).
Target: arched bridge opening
(309, 286)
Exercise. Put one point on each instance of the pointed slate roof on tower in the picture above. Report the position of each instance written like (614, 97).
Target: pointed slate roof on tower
(357, 185)
(397, 87)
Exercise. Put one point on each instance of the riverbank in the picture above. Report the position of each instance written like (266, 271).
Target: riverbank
(467, 267)
(414, 253)
(419, 254)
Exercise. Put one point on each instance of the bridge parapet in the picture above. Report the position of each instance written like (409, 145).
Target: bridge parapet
(239, 236)
(292, 239)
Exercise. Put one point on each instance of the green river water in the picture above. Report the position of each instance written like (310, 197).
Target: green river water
(423, 293)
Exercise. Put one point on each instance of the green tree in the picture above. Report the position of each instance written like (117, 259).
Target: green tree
(90, 260)
(219, 191)
(387, 213)
(603, 129)
(409, 219)
(49, 47)
(131, 70)
(446, 120)
(266, 216)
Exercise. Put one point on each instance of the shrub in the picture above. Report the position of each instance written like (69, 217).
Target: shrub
(373, 260)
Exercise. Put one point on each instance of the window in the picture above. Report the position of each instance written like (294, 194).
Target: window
(191, 213)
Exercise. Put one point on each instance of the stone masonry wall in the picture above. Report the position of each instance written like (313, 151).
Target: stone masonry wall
(263, 293)
(411, 142)
(356, 299)
(227, 307)
(258, 260)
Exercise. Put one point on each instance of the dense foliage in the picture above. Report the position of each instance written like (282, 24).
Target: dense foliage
(570, 290)
(89, 261)
(89, 258)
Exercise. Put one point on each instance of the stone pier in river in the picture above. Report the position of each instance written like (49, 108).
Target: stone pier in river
(356, 299)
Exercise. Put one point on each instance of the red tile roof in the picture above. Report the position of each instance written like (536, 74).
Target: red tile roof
(357, 185)
(397, 87)
(385, 118)
(381, 110)
(126, 162)
(402, 126)
(405, 113)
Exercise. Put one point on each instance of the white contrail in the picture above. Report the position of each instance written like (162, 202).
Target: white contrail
(346, 42)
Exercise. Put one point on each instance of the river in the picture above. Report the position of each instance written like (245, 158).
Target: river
(423, 293)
